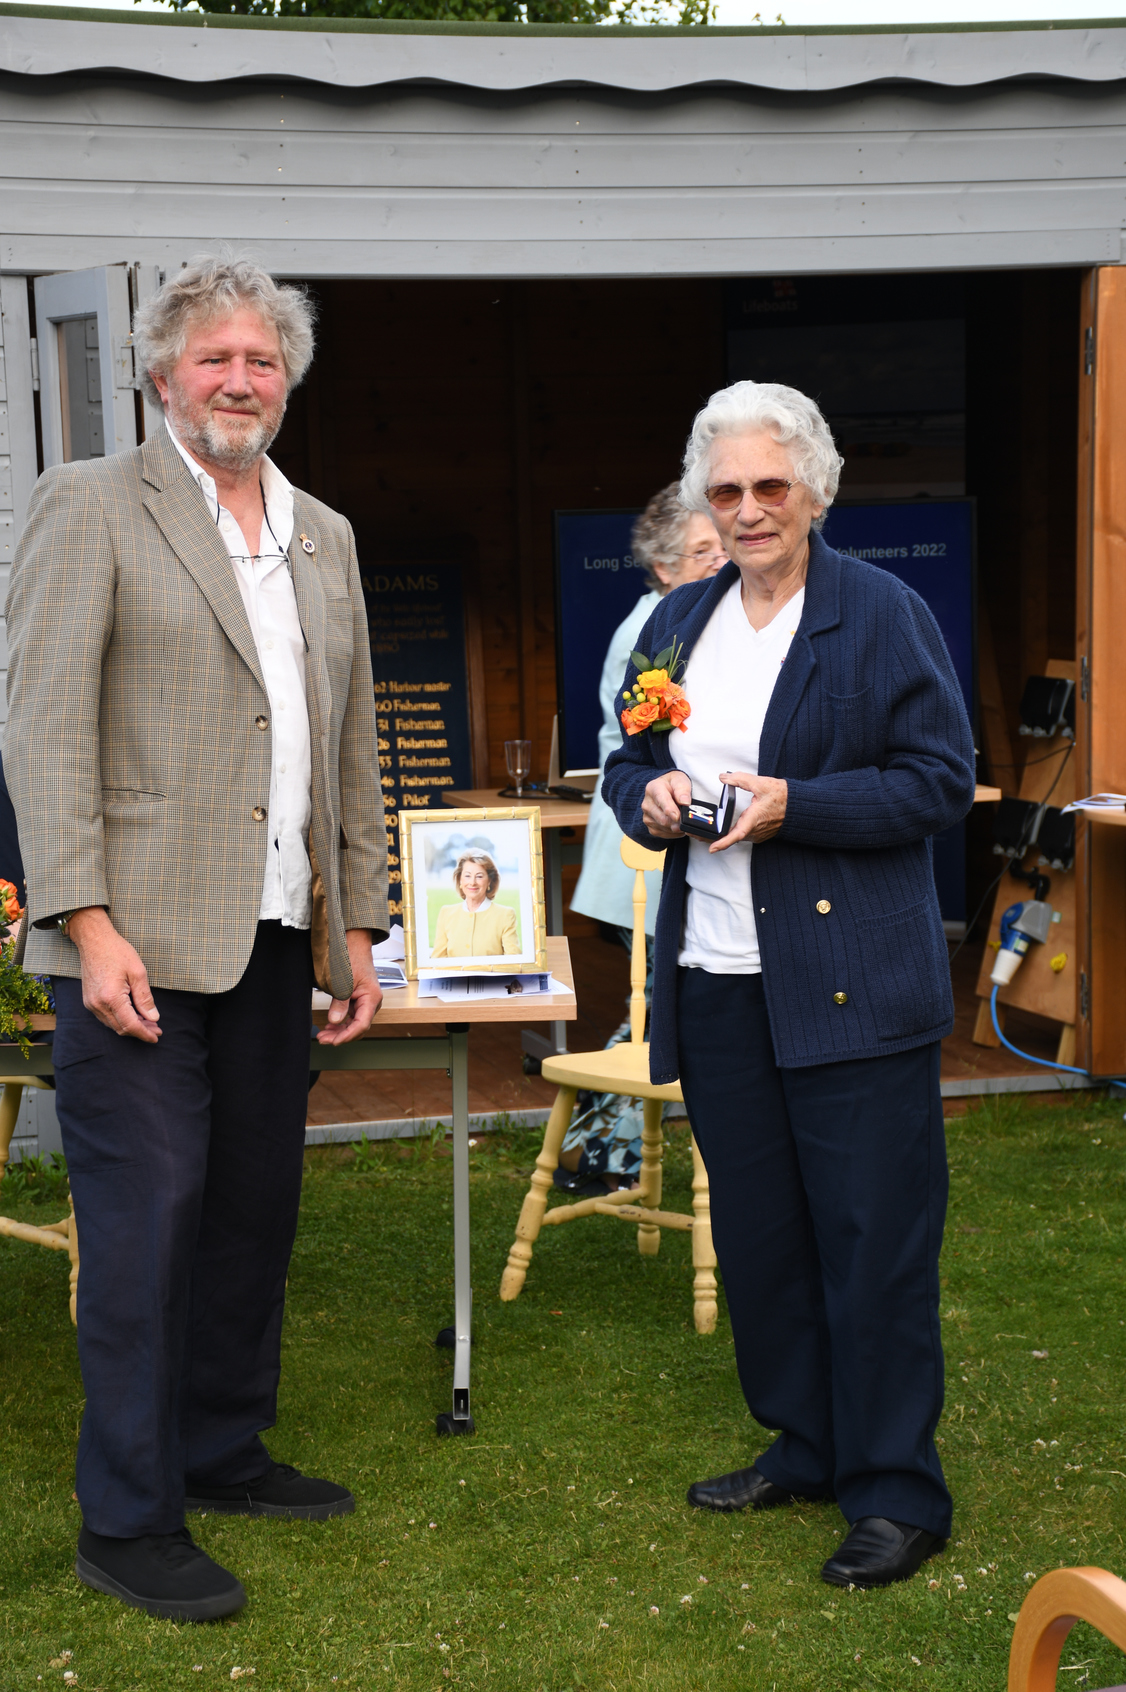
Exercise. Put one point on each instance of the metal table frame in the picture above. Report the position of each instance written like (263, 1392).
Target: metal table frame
(451, 1053)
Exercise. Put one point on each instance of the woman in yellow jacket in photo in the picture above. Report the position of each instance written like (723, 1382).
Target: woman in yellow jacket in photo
(477, 928)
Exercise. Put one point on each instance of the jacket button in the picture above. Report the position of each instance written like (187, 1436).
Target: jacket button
(258, 814)
(261, 722)
(840, 998)
(823, 907)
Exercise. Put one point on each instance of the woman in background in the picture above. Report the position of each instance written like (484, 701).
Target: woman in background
(478, 927)
(673, 546)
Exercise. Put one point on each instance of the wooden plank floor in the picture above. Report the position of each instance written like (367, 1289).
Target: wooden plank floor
(497, 1081)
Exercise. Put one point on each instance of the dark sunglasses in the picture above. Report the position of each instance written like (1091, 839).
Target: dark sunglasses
(727, 496)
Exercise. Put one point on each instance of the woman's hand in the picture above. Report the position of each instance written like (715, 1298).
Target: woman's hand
(763, 816)
(660, 808)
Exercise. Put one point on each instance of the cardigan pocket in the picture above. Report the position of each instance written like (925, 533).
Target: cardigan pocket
(908, 986)
(851, 716)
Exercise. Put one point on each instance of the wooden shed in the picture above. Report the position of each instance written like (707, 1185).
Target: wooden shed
(537, 250)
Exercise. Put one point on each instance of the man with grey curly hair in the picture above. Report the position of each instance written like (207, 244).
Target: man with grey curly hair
(192, 756)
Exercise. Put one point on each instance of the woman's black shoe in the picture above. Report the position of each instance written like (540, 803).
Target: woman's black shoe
(736, 1491)
(164, 1574)
(876, 1552)
(579, 1186)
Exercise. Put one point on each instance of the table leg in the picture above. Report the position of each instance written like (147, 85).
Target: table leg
(553, 898)
(461, 1421)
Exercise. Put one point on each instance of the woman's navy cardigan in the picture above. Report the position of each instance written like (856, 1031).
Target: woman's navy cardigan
(867, 726)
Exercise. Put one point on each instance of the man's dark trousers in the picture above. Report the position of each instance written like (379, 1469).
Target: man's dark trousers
(185, 1163)
(828, 1195)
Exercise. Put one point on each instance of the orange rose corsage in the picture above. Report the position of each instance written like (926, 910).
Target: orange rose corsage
(655, 701)
(9, 903)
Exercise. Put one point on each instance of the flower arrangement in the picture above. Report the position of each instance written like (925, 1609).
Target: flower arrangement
(655, 701)
(21, 996)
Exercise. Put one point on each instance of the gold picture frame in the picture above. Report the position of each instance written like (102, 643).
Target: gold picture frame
(429, 844)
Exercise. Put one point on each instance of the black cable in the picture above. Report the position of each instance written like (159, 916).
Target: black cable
(1021, 848)
(1059, 772)
(1028, 763)
(996, 882)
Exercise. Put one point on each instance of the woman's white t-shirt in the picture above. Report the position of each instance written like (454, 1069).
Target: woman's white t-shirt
(729, 680)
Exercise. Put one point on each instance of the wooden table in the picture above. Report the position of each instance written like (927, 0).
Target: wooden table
(448, 1050)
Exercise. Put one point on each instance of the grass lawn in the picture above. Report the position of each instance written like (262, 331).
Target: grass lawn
(554, 1550)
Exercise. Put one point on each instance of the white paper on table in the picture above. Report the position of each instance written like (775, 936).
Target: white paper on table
(451, 988)
(393, 947)
(389, 974)
(1098, 802)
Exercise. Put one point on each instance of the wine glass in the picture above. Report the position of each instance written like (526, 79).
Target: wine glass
(518, 757)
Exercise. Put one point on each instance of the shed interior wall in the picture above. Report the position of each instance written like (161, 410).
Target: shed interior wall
(448, 420)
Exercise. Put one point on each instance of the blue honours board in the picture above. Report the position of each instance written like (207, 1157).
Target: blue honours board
(597, 585)
(929, 544)
(416, 628)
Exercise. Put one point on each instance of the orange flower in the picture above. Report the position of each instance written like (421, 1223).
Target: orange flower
(9, 902)
(642, 716)
(678, 710)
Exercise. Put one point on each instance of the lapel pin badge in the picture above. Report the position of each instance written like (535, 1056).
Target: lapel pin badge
(307, 545)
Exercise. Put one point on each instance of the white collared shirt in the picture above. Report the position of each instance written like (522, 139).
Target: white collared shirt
(268, 594)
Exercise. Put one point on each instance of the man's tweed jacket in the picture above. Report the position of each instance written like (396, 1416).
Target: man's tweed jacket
(138, 745)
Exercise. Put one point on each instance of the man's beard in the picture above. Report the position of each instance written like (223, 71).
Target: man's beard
(228, 445)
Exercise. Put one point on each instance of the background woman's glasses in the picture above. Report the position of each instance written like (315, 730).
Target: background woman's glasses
(726, 496)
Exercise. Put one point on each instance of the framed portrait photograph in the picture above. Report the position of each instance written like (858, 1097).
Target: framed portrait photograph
(473, 891)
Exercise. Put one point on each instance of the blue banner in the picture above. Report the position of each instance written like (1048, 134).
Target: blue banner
(597, 585)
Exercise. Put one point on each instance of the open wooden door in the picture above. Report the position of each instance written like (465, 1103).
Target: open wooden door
(1101, 708)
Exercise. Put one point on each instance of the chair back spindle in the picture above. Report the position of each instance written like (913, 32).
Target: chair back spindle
(638, 859)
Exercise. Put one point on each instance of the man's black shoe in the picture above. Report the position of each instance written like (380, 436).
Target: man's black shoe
(876, 1552)
(736, 1491)
(281, 1491)
(164, 1574)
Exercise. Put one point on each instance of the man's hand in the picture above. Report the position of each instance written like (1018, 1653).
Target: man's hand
(763, 817)
(115, 983)
(660, 808)
(349, 1018)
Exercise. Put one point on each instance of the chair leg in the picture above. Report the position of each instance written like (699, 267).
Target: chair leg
(652, 1145)
(9, 1113)
(535, 1200)
(705, 1307)
(72, 1247)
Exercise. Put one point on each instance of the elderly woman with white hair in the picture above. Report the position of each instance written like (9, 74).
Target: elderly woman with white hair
(801, 986)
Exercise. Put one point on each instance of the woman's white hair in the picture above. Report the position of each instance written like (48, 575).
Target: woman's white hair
(791, 417)
(209, 289)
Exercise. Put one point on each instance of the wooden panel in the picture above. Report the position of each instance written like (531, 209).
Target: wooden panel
(452, 419)
(1049, 774)
(382, 146)
(1101, 614)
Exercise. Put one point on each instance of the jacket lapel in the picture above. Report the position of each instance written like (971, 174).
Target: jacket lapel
(822, 610)
(311, 610)
(179, 510)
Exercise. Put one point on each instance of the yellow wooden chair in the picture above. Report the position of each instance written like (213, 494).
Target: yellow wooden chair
(1053, 1606)
(56, 1236)
(622, 1069)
